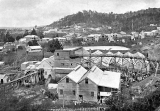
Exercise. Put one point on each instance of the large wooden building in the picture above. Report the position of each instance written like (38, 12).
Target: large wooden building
(91, 85)
(68, 85)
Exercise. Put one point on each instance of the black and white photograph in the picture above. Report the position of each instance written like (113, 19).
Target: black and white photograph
(79, 55)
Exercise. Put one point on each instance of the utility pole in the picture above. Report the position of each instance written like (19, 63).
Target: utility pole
(43, 52)
(63, 96)
(90, 59)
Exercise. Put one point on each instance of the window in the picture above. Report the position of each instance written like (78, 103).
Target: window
(92, 94)
(74, 92)
(62, 64)
(86, 81)
(71, 64)
(57, 54)
(67, 80)
(61, 91)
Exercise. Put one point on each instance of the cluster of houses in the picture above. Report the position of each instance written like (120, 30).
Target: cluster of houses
(82, 77)
(62, 62)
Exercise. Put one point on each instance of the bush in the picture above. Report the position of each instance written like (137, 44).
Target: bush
(20, 47)
(51, 95)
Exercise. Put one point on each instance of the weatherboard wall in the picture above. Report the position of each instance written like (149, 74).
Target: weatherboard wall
(86, 89)
(68, 89)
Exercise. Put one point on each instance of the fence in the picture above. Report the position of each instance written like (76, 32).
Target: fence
(80, 109)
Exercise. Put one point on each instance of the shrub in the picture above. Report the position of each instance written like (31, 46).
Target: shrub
(20, 47)
(51, 95)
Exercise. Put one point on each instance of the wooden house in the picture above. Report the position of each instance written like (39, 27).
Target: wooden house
(92, 85)
(97, 84)
(68, 85)
(63, 58)
(88, 89)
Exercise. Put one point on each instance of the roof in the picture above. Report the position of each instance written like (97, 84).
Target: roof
(94, 74)
(72, 48)
(31, 36)
(105, 79)
(128, 54)
(30, 67)
(138, 54)
(50, 61)
(76, 74)
(106, 48)
(1, 47)
(35, 47)
(110, 79)
(109, 53)
(97, 52)
(97, 59)
(99, 48)
(1, 62)
(118, 54)
(25, 63)
(2, 76)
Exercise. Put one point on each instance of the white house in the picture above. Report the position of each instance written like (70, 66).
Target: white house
(93, 37)
(3, 78)
(31, 37)
(61, 39)
(24, 65)
(47, 64)
(34, 48)
(1, 48)
(47, 39)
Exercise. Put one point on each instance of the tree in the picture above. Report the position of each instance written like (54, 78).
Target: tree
(41, 35)
(33, 32)
(18, 37)
(25, 33)
(33, 43)
(54, 45)
(30, 43)
(10, 39)
(7, 36)
(2, 37)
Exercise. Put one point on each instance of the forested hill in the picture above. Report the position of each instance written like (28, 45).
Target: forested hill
(140, 19)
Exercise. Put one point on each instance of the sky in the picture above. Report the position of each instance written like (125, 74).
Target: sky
(28, 13)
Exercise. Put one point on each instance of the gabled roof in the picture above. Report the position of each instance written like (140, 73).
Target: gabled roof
(118, 54)
(49, 61)
(109, 53)
(138, 54)
(96, 59)
(128, 54)
(2, 76)
(97, 52)
(94, 74)
(76, 74)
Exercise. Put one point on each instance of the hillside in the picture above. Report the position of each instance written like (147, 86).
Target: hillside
(138, 20)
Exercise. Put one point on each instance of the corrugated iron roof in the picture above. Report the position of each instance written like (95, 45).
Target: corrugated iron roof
(77, 73)
(138, 54)
(105, 79)
(94, 74)
(110, 79)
